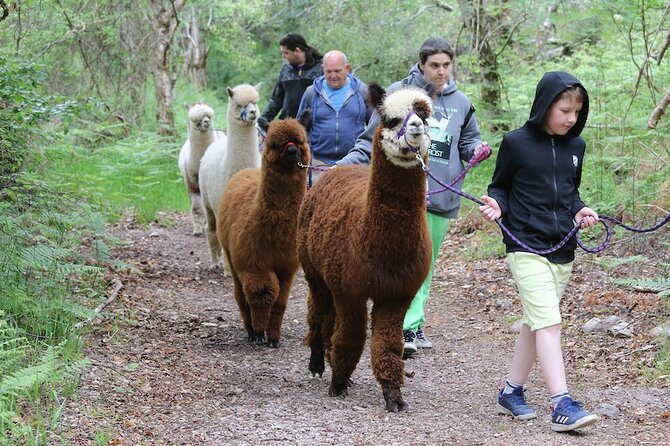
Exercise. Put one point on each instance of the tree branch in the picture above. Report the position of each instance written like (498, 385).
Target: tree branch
(72, 28)
(115, 292)
(661, 53)
(658, 111)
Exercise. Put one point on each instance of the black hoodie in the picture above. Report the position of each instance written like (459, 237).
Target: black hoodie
(537, 175)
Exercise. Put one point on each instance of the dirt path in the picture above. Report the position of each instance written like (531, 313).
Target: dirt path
(171, 365)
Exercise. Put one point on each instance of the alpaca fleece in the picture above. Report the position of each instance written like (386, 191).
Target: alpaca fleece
(201, 134)
(362, 234)
(226, 157)
(257, 224)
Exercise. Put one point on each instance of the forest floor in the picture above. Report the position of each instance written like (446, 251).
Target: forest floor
(170, 363)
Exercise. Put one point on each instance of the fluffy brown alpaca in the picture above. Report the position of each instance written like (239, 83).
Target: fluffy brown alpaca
(256, 226)
(362, 234)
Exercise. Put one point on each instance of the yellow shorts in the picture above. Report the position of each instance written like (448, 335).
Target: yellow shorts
(541, 284)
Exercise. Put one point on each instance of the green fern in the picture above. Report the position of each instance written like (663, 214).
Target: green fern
(613, 262)
(659, 285)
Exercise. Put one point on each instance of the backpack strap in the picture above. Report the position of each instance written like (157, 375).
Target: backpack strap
(468, 116)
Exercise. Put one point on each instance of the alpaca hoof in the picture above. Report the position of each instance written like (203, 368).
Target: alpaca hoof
(340, 388)
(394, 401)
(317, 365)
(257, 337)
(274, 343)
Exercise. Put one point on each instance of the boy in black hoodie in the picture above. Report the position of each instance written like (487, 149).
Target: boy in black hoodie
(535, 191)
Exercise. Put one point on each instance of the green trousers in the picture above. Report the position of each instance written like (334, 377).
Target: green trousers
(415, 316)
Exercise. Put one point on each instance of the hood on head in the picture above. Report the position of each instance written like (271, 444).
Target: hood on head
(551, 85)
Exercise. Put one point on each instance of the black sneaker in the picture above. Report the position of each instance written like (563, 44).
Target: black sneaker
(514, 404)
(568, 415)
(410, 345)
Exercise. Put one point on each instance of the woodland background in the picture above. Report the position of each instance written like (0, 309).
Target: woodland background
(92, 116)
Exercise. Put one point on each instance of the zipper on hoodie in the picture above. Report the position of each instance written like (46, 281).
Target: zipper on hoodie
(553, 212)
(337, 119)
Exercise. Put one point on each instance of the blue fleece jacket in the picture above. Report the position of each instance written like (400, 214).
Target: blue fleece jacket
(332, 133)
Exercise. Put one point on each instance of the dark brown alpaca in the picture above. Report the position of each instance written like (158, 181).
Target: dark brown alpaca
(362, 234)
(256, 226)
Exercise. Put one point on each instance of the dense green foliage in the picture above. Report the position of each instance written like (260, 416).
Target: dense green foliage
(78, 121)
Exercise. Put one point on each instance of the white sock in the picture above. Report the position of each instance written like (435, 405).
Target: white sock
(510, 386)
(558, 397)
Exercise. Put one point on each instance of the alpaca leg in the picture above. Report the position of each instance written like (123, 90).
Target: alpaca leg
(242, 305)
(212, 239)
(320, 319)
(198, 213)
(277, 312)
(348, 341)
(386, 352)
(261, 290)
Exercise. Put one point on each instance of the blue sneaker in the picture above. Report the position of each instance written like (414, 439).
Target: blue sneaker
(514, 404)
(568, 415)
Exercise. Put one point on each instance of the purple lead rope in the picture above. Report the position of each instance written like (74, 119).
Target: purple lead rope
(574, 232)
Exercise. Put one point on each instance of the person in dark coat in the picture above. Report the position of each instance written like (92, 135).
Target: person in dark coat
(302, 65)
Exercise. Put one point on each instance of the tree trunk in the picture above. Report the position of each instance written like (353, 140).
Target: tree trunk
(479, 25)
(195, 52)
(658, 111)
(166, 21)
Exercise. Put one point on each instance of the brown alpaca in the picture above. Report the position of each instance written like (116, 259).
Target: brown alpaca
(256, 226)
(362, 234)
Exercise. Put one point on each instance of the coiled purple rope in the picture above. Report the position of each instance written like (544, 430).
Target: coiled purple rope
(574, 232)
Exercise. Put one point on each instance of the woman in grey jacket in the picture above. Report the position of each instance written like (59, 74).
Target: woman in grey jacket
(455, 138)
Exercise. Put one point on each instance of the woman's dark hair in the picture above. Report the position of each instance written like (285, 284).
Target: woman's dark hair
(432, 46)
(292, 41)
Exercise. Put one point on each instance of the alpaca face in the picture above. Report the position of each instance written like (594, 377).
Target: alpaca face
(200, 117)
(287, 145)
(243, 104)
(405, 131)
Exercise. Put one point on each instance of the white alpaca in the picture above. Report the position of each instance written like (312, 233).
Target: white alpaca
(224, 158)
(201, 134)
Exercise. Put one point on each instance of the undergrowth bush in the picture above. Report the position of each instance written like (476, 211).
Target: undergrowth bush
(47, 280)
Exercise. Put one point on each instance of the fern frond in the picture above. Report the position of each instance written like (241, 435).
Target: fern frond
(659, 285)
(613, 262)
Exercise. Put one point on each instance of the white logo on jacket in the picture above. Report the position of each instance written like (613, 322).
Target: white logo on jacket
(575, 160)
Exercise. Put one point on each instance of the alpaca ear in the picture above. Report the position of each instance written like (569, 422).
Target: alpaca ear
(376, 95)
(258, 86)
(188, 107)
(230, 92)
(305, 118)
(422, 108)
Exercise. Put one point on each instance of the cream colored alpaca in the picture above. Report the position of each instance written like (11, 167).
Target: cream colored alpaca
(225, 157)
(201, 134)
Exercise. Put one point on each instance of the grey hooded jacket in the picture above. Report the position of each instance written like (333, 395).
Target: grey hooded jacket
(454, 135)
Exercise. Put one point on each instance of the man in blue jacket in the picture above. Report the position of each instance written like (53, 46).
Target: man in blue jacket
(335, 110)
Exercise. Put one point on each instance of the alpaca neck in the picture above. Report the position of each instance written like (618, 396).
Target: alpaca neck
(281, 193)
(396, 208)
(393, 187)
(242, 148)
(200, 141)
